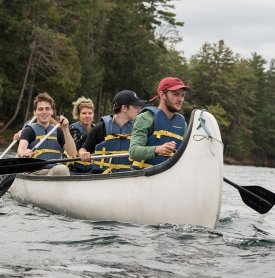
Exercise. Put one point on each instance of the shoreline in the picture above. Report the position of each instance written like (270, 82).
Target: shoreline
(269, 163)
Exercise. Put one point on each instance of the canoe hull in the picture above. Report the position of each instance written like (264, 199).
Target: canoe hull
(188, 192)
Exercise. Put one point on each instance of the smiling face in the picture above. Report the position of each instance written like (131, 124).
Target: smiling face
(86, 116)
(43, 112)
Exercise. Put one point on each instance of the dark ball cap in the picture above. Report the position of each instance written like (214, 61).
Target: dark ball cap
(127, 97)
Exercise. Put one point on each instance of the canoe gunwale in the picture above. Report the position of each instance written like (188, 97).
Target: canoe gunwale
(135, 173)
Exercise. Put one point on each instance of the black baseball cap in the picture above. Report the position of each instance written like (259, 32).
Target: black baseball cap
(127, 97)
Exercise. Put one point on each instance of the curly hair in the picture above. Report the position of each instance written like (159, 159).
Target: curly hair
(81, 103)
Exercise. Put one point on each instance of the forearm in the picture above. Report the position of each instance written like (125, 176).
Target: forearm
(69, 145)
(138, 152)
(22, 148)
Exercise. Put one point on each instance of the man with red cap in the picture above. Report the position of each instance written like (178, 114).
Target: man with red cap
(158, 131)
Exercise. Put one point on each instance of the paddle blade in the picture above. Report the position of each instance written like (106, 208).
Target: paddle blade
(5, 183)
(20, 165)
(256, 197)
(262, 202)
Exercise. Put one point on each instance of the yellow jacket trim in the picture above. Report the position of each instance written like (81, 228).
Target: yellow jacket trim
(115, 136)
(40, 137)
(79, 162)
(39, 152)
(160, 133)
(111, 166)
(141, 164)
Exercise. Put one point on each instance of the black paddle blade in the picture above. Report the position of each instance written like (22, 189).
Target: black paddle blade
(262, 202)
(20, 165)
(5, 183)
(256, 197)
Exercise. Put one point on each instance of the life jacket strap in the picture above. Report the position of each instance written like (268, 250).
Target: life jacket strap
(159, 133)
(141, 164)
(103, 152)
(111, 166)
(85, 163)
(42, 151)
(40, 137)
(117, 136)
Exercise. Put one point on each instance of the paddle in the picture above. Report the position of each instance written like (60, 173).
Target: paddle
(12, 166)
(5, 183)
(14, 141)
(256, 197)
(19, 165)
(7, 180)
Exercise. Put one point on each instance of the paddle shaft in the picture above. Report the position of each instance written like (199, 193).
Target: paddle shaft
(241, 188)
(72, 159)
(14, 141)
(7, 180)
(8, 148)
(19, 165)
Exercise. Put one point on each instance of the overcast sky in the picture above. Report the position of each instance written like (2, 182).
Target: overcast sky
(246, 26)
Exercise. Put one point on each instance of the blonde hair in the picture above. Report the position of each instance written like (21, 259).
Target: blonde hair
(81, 103)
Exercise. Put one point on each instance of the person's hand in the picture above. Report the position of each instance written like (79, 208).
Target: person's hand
(85, 156)
(28, 153)
(16, 136)
(53, 121)
(64, 122)
(166, 149)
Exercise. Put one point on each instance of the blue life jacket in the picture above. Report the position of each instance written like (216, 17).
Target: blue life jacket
(165, 130)
(80, 166)
(50, 149)
(79, 127)
(117, 140)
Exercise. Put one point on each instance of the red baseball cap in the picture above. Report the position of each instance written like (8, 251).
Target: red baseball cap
(172, 84)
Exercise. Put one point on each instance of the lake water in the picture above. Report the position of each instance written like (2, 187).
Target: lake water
(37, 243)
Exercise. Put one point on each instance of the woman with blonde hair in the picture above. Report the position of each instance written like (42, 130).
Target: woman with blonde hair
(83, 111)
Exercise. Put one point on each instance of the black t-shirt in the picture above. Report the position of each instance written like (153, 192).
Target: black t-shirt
(29, 135)
(95, 137)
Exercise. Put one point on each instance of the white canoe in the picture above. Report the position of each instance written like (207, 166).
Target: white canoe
(186, 189)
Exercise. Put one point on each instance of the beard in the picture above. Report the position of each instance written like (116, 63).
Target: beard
(170, 107)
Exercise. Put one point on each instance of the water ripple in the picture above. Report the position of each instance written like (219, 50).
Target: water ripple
(37, 243)
(243, 242)
(91, 242)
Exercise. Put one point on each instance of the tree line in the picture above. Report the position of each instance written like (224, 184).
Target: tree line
(96, 48)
